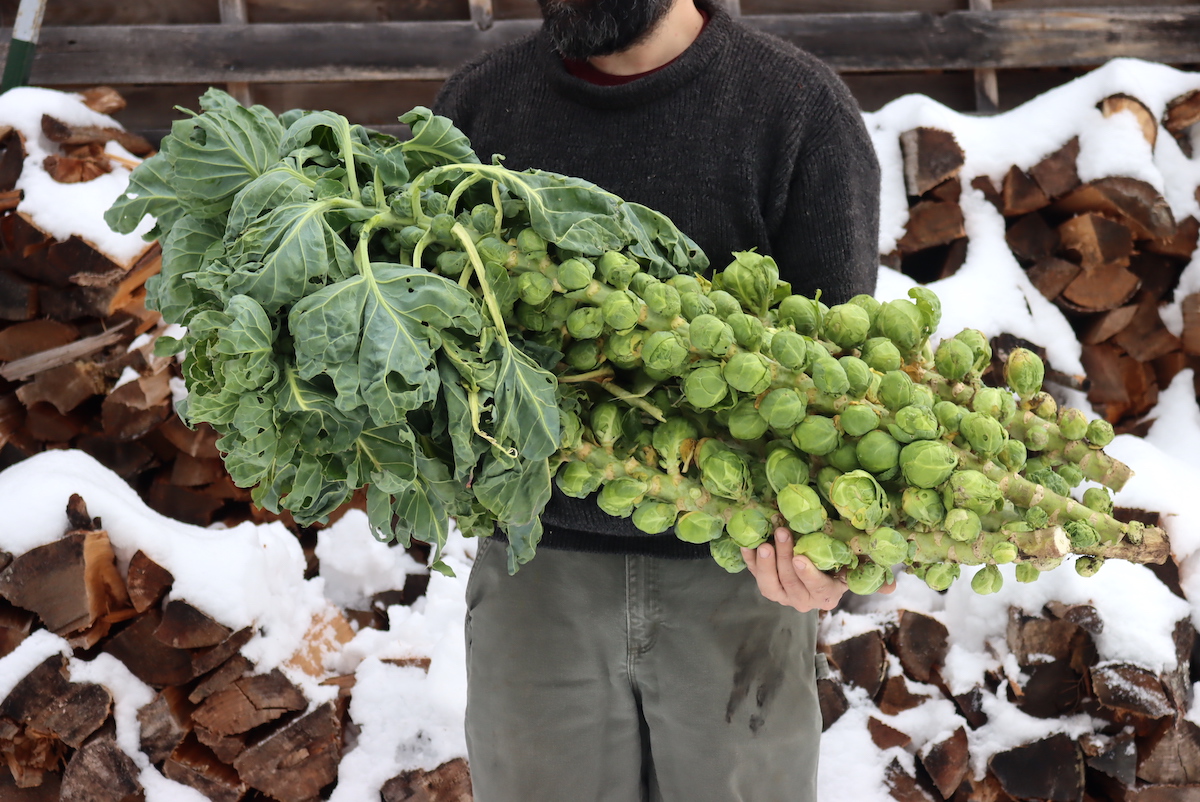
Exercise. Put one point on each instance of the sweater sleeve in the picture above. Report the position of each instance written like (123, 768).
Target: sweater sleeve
(828, 236)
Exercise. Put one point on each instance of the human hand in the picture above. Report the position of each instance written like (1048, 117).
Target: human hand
(794, 581)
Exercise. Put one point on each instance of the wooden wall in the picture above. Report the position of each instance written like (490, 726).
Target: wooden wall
(378, 102)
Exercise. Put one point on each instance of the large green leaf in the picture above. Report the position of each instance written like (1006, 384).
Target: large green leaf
(279, 186)
(434, 142)
(526, 409)
(666, 250)
(173, 292)
(151, 191)
(467, 446)
(514, 490)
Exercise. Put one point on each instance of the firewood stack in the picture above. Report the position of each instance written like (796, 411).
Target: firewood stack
(1141, 747)
(1107, 252)
(216, 723)
(75, 368)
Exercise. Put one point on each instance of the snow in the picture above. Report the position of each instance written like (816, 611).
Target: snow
(412, 718)
(65, 209)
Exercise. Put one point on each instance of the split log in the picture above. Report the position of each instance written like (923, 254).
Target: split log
(103, 99)
(185, 627)
(34, 336)
(832, 700)
(64, 133)
(1130, 201)
(896, 697)
(45, 423)
(947, 762)
(1171, 756)
(1050, 769)
(326, 635)
(101, 772)
(165, 722)
(66, 386)
(1104, 326)
(200, 442)
(1164, 793)
(1020, 194)
(18, 298)
(449, 782)
(1159, 274)
(15, 626)
(931, 156)
(221, 677)
(194, 765)
(226, 748)
(1051, 276)
(1114, 104)
(25, 367)
(921, 643)
(1084, 616)
(1114, 755)
(1052, 690)
(862, 660)
(1146, 337)
(181, 503)
(1056, 174)
(249, 702)
(205, 660)
(188, 471)
(48, 791)
(148, 582)
(70, 583)
(1181, 245)
(1097, 241)
(299, 760)
(1131, 689)
(147, 658)
(1034, 640)
(902, 786)
(931, 223)
(48, 703)
(1031, 239)
(1102, 288)
(1190, 306)
(884, 736)
(1182, 113)
(970, 707)
(103, 294)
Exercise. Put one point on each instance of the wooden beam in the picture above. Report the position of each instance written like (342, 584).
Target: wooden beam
(987, 88)
(960, 40)
(233, 12)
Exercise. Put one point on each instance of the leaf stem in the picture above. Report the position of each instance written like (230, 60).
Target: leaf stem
(489, 297)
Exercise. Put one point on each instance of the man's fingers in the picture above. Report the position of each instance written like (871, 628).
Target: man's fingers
(766, 573)
(793, 587)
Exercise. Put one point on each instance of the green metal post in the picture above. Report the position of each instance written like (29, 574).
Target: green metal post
(19, 64)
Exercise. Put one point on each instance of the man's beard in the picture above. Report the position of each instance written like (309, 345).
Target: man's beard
(581, 29)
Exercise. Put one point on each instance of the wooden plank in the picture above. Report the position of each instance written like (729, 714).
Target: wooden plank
(423, 50)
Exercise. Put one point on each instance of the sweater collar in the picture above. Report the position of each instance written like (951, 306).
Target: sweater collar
(648, 88)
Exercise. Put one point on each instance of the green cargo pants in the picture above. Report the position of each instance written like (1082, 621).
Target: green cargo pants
(616, 678)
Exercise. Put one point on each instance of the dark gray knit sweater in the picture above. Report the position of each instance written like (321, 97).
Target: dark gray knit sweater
(744, 141)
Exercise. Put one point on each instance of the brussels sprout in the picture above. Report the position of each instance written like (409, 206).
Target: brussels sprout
(784, 468)
(1024, 372)
(1043, 405)
(491, 250)
(685, 283)
(654, 517)
(954, 359)
(745, 422)
(847, 325)
(1036, 438)
(724, 472)
(1008, 408)
(979, 346)
(971, 490)
(881, 354)
(530, 241)
(748, 528)
(802, 314)
(669, 438)
(1004, 552)
(583, 355)
(534, 288)
(929, 305)
(751, 278)
(826, 553)
(783, 408)
(914, 422)
(901, 322)
(1100, 433)
(727, 554)
(748, 331)
(923, 505)
(869, 303)
(704, 387)
(816, 435)
(1027, 573)
(578, 480)
(856, 420)
(575, 274)
(748, 372)
(665, 351)
(866, 578)
(1070, 474)
(859, 499)
(694, 304)
(825, 479)
(698, 527)
(605, 422)
(858, 374)
(844, 458)
(586, 323)
(1037, 518)
(927, 463)
(789, 349)
(962, 525)
(896, 390)
(949, 415)
(1081, 534)
(662, 299)
(724, 304)
(1072, 423)
(878, 452)
(617, 269)
(802, 508)
(829, 376)
(1088, 566)
(983, 432)
(624, 349)
(1050, 480)
(1013, 455)
(887, 547)
(710, 335)
(452, 263)
(1098, 499)
(619, 496)
(941, 576)
(531, 318)
(988, 401)
(622, 310)
(987, 580)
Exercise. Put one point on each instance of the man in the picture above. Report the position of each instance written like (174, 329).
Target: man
(617, 665)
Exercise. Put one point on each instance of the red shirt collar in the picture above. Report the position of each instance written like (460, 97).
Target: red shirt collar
(587, 72)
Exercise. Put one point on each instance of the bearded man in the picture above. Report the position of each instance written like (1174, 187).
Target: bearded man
(620, 666)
